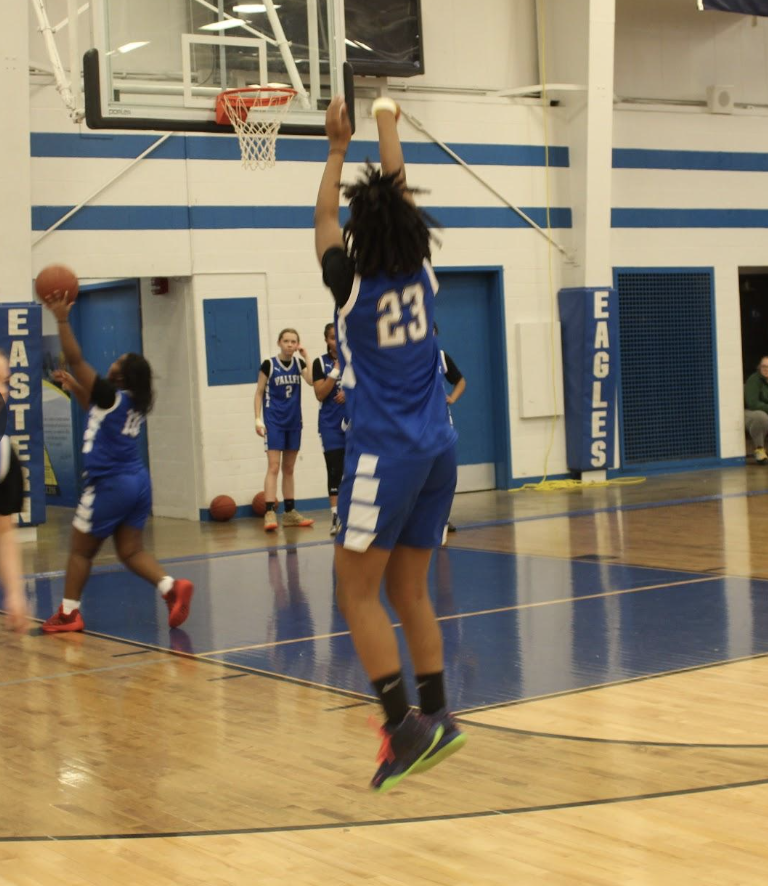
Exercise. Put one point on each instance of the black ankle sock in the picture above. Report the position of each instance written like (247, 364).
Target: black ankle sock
(290, 504)
(270, 505)
(431, 692)
(391, 692)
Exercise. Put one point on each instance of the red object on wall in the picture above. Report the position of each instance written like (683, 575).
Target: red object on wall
(159, 285)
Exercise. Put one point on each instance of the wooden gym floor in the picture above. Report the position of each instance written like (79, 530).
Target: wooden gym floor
(607, 650)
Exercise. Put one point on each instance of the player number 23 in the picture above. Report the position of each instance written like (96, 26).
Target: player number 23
(393, 333)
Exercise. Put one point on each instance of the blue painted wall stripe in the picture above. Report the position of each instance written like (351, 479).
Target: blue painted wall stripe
(113, 218)
(689, 218)
(309, 150)
(715, 161)
(158, 218)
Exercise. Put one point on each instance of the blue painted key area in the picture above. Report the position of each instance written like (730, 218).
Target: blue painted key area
(515, 627)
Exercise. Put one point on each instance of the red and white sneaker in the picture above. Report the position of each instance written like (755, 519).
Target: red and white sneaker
(59, 622)
(178, 600)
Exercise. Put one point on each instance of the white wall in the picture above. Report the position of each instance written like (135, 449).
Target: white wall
(480, 45)
(668, 49)
(170, 345)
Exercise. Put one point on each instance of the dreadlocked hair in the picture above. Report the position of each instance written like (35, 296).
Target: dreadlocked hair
(385, 233)
(136, 376)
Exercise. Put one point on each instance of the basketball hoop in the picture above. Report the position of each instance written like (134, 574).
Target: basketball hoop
(255, 113)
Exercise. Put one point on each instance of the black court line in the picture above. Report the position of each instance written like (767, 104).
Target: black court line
(494, 727)
(368, 823)
(228, 677)
(596, 686)
(346, 707)
(125, 654)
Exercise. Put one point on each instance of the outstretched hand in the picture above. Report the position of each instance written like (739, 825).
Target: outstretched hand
(59, 305)
(65, 379)
(337, 125)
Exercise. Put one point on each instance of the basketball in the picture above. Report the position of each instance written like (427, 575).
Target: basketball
(259, 504)
(56, 278)
(222, 508)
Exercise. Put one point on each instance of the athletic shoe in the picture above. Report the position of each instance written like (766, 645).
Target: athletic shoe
(760, 456)
(177, 600)
(335, 525)
(403, 747)
(270, 521)
(294, 518)
(452, 740)
(450, 527)
(58, 622)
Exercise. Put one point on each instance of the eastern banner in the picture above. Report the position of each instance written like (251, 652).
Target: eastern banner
(589, 324)
(20, 337)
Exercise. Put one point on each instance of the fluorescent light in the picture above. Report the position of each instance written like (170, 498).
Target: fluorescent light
(129, 47)
(251, 7)
(223, 25)
(357, 44)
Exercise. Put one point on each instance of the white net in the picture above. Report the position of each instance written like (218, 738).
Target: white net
(255, 115)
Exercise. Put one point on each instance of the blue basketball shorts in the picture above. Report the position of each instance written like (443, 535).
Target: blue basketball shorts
(387, 501)
(108, 502)
(332, 438)
(282, 439)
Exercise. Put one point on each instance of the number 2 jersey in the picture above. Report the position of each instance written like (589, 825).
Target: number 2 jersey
(111, 438)
(282, 395)
(392, 373)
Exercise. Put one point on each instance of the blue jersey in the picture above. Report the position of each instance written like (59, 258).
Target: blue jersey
(282, 395)
(111, 439)
(332, 415)
(392, 371)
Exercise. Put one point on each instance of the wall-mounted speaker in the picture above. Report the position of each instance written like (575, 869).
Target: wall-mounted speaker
(720, 99)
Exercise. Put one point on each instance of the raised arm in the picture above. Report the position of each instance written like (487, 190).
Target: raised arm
(306, 372)
(69, 384)
(387, 113)
(339, 132)
(83, 372)
(324, 384)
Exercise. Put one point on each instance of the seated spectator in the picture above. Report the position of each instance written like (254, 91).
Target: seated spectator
(756, 409)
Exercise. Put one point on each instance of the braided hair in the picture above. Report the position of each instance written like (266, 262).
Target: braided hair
(136, 377)
(385, 233)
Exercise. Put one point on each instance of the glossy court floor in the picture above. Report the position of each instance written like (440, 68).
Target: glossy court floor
(606, 649)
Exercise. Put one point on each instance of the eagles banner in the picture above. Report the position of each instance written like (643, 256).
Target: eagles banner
(589, 322)
(20, 337)
(745, 7)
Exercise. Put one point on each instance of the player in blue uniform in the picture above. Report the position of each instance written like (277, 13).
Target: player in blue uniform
(400, 461)
(11, 500)
(332, 418)
(277, 407)
(117, 498)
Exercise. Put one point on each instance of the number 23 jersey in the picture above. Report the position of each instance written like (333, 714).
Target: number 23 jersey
(391, 367)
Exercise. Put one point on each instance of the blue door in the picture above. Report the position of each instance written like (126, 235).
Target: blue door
(107, 322)
(470, 318)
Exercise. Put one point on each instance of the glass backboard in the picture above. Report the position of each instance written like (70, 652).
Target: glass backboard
(160, 64)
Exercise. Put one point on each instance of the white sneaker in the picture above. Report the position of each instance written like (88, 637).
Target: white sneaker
(335, 525)
(270, 521)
